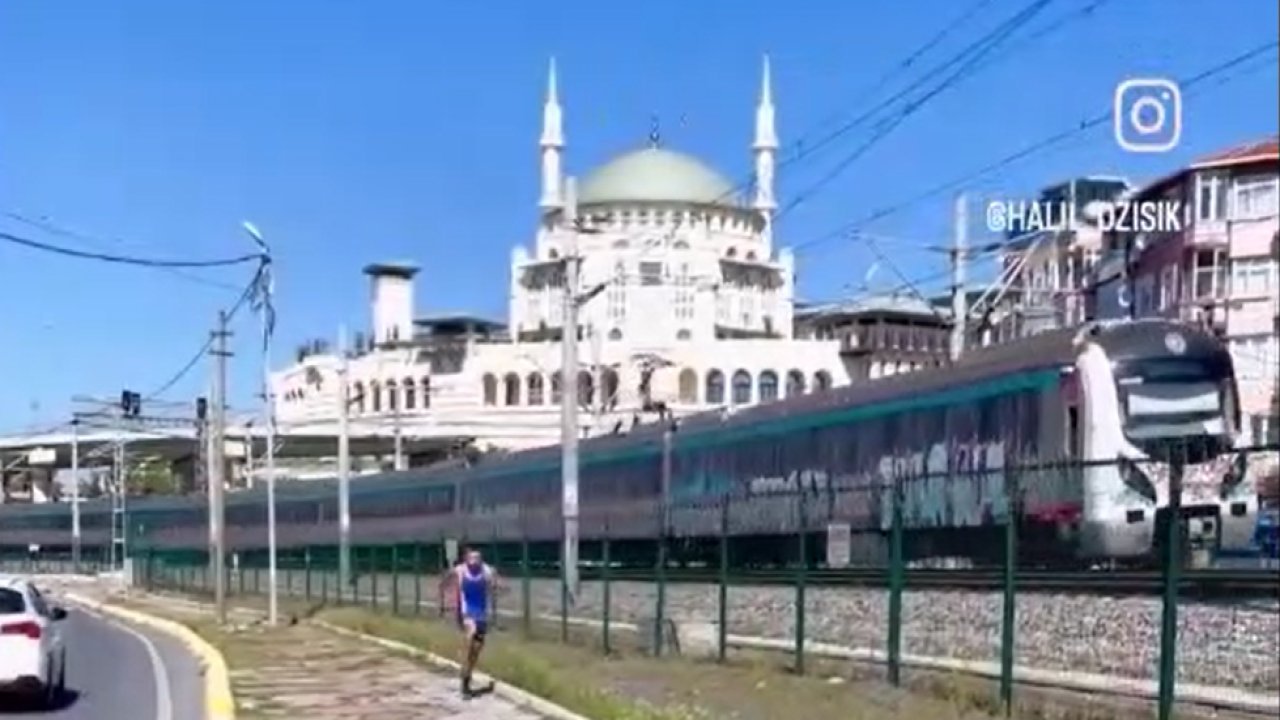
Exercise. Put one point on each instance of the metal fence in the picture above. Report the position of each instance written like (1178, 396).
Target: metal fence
(902, 576)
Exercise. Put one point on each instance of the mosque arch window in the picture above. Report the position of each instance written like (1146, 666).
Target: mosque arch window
(751, 255)
(651, 273)
(615, 334)
(741, 387)
(688, 386)
(681, 245)
(410, 394)
(683, 334)
(534, 382)
(511, 390)
(617, 294)
(556, 395)
(715, 387)
(610, 388)
(426, 392)
(795, 383)
(375, 396)
(821, 381)
(732, 252)
(768, 391)
(586, 388)
(553, 254)
(357, 395)
(393, 396)
(490, 384)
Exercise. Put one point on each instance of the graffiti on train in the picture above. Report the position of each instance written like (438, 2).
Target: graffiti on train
(953, 484)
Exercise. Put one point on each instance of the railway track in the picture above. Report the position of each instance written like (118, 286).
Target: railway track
(1216, 584)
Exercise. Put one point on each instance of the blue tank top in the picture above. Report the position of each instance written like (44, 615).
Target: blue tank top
(473, 591)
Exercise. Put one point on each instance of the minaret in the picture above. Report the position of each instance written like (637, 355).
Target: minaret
(552, 145)
(765, 147)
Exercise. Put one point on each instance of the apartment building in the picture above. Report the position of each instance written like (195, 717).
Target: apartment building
(1219, 269)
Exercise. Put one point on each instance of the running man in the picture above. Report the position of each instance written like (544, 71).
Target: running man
(476, 584)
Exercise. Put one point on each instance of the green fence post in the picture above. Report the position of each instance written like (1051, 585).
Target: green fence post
(324, 582)
(417, 577)
(896, 581)
(722, 632)
(373, 576)
(606, 577)
(395, 579)
(660, 604)
(526, 602)
(494, 559)
(1169, 613)
(1009, 619)
(801, 578)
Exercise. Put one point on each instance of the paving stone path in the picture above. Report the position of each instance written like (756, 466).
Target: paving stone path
(304, 671)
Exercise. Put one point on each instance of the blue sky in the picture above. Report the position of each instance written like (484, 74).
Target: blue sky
(358, 132)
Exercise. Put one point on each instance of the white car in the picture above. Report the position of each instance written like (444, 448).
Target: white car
(33, 657)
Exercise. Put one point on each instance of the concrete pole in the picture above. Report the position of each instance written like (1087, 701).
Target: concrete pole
(217, 466)
(75, 495)
(569, 394)
(959, 257)
(344, 464)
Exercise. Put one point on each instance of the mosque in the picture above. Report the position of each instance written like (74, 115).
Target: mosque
(686, 303)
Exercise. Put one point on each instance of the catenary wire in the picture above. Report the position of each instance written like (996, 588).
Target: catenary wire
(1032, 149)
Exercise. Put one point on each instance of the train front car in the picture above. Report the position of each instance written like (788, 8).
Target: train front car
(1156, 393)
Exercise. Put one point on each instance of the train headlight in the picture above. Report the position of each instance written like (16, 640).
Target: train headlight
(1136, 479)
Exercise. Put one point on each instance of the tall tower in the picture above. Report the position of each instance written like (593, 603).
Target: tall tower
(552, 145)
(392, 301)
(766, 148)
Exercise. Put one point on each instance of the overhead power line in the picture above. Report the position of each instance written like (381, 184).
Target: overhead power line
(46, 225)
(125, 259)
(177, 377)
(968, 60)
(1190, 82)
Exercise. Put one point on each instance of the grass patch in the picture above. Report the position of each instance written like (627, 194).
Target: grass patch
(629, 685)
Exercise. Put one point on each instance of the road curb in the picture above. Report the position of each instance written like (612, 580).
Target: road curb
(218, 700)
(509, 692)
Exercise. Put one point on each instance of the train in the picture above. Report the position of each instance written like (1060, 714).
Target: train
(1076, 435)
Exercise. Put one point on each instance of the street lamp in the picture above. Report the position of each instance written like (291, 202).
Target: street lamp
(265, 287)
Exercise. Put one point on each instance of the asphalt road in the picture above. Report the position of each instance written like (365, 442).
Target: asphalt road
(117, 672)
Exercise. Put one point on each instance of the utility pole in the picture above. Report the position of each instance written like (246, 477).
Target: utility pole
(959, 258)
(75, 495)
(569, 393)
(217, 466)
(269, 409)
(344, 465)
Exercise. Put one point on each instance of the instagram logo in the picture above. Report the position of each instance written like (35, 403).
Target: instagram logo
(1148, 115)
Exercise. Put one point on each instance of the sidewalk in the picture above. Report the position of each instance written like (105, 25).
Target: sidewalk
(303, 671)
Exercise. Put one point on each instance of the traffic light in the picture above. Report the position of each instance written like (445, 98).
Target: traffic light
(202, 409)
(130, 403)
